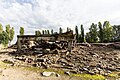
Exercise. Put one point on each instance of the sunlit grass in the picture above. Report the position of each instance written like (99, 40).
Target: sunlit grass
(90, 77)
(36, 69)
(3, 65)
(59, 71)
(114, 75)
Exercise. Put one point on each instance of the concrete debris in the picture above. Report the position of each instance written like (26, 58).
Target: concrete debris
(47, 74)
(58, 75)
(83, 58)
(68, 73)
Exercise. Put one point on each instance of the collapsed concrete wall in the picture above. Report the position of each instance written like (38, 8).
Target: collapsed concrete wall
(63, 38)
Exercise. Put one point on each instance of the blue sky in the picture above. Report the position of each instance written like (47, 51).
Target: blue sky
(52, 14)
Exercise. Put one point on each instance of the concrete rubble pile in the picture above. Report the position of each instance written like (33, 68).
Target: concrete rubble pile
(92, 59)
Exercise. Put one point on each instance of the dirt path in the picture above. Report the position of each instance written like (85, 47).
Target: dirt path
(18, 74)
(21, 74)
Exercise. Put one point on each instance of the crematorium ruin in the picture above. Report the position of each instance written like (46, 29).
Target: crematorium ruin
(64, 39)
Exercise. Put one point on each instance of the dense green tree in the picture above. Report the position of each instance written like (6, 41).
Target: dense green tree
(82, 37)
(5, 38)
(88, 37)
(11, 34)
(8, 31)
(0, 38)
(116, 32)
(7, 35)
(60, 30)
(48, 32)
(77, 34)
(52, 32)
(21, 31)
(1, 28)
(8, 28)
(93, 33)
(37, 33)
(43, 32)
(107, 31)
(100, 32)
(67, 29)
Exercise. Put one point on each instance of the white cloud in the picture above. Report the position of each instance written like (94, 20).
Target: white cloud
(40, 14)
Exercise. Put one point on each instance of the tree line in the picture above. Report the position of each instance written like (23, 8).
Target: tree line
(7, 35)
(99, 33)
(48, 32)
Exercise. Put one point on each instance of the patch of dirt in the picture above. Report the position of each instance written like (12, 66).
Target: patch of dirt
(18, 74)
(21, 74)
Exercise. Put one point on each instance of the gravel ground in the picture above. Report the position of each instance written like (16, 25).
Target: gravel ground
(21, 74)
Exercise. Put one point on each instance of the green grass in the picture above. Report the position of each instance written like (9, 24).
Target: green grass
(36, 69)
(89, 77)
(114, 75)
(7, 62)
(3, 65)
(59, 71)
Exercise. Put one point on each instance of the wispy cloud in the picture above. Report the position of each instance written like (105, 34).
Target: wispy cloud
(40, 14)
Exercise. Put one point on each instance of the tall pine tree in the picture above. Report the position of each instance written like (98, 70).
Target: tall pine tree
(100, 32)
(77, 34)
(21, 31)
(82, 38)
(93, 33)
(52, 32)
(60, 30)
